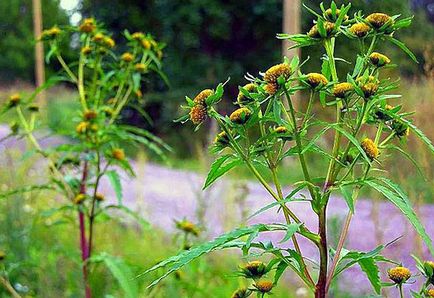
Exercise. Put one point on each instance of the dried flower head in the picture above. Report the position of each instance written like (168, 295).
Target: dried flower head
(82, 127)
(264, 286)
(138, 36)
(79, 198)
(221, 138)
(276, 71)
(378, 20)
(316, 79)
(14, 100)
(342, 90)
(254, 269)
(88, 25)
(240, 116)
(242, 98)
(360, 29)
(241, 293)
(140, 67)
(99, 197)
(127, 57)
(202, 96)
(369, 89)
(86, 50)
(370, 148)
(187, 227)
(399, 274)
(430, 292)
(378, 59)
(198, 114)
(329, 15)
(314, 32)
(118, 154)
(271, 88)
(89, 115)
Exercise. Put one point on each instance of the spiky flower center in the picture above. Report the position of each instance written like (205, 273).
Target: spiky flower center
(360, 29)
(127, 57)
(370, 148)
(342, 90)
(314, 32)
(241, 98)
(369, 89)
(276, 71)
(198, 114)
(399, 274)
(240, 116)
(202, 96)
(315, 79)
(379, 59)
(378, 20)
(430, 293)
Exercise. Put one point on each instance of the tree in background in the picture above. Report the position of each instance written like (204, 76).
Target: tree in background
(17, 41)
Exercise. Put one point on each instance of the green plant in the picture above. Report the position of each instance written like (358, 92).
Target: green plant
(107, 83)
(266, 128)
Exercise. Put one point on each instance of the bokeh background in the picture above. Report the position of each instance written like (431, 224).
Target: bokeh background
(207, 41)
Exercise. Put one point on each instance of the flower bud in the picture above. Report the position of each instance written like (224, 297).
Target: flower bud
(314, 32)
(198, 114)
(118, 154)
(240, 116)
(264, 286)
(378, 20)
(200, 99)
(14, 100)
(127, 57)
(378, 59)
(241, 293)
(370, 148)
(360, 29)
(276, 71)
(80, 198)
(242, 98)
(342, 90)
(87, 26)
(316, 79)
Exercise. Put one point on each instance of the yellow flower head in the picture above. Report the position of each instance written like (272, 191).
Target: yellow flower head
(271, 88)
(378, 20)
(109, 42)
(430, 292)
(388, 107)
(342, 90)
(241, 98)
(2, 255)
(316, 79)
(264, 286)
(254, 269)
(369, 89)
(118, 154)
(370, 148)
(127, 57)
(138, 36)
(198, 114)
(329, 15)
(188, 227)
(314, 32)
(89, 115)
(399, 274)
(241, 293)
(140, 67)
(79, 198)
(86, 50)
(146, 44)
(240, 116)
(281, 130)
(360, 29)
(138, 93)
(14, 99)
(202, 96)
(99, 37)
(276, 71)
(99, 197)
(50, 33)
(82, 127)
(88, 25)
(378, 59)
(221, 138)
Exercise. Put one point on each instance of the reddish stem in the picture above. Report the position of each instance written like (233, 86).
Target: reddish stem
(83, 243)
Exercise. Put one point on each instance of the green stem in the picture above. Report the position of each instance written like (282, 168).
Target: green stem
(308, 110)
(66, 68)
(401, 292)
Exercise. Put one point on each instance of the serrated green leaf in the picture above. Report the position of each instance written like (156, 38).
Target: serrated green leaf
(220, 167)
(370, 268)
(116, 184)
(400, 200)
